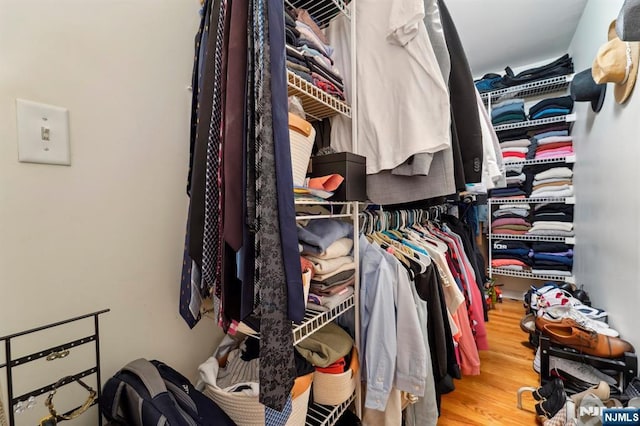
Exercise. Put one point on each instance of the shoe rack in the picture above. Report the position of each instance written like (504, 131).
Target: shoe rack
(627, 367)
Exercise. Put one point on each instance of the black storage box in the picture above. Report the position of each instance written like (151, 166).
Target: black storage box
(352, 167)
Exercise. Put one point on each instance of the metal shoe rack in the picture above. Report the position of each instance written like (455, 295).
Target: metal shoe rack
(529, 90)
(17, 363)
(626, 368)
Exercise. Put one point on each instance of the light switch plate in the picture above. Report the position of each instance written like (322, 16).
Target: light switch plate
(43, 133)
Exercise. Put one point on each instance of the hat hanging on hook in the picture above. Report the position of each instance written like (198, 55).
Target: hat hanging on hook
(617, 62)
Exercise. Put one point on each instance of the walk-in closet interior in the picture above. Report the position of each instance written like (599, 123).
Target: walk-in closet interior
(319, 212)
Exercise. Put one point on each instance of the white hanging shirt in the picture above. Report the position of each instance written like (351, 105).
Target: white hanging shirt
(403, 102)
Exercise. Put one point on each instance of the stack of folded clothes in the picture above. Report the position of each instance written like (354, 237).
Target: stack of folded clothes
(554, 147)
(510, 111)
(515, 150)
(552, 258)
(554, 177)
(513, 255)
(551, 107)
(489, 82)
(309, 54)
(552, 220)
(513, 191)
(511, 219)
(327, 245)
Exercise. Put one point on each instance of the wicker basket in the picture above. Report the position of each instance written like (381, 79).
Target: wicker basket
(247, 411)
(334, 389)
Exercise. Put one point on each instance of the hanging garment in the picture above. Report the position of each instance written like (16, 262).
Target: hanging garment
(463, 105)
(493, 171)
(392, 37)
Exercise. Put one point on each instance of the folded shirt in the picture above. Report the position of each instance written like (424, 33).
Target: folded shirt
(515, 154)
(512, 212)
(552, 180)
(522, 206)
(345, 267)
(555, 153)
(568, 253)
(548, 134)
(537, 271)
(499, 263)
(511, 195)
(509, 117)
(550, 185)
(557, 102)
(325, 266)
(516, 180)
(551, 233)
(542, 148)
(509, 245)
(554, 139)
(538, 259)
(509, 221)
(338, 248)
(560, 226)
(326, 303)
(553, 208)
(310, 38)
(516, 253)
(514, 167)
(516, 143)
(522, 259)
(566, 191)
(514, 101)
(550, 247)
(553, 217)
(319, 234)
(556, 172)
(550, 112)
(323, 290)
(522, 150)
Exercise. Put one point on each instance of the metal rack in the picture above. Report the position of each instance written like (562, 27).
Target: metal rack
(569, 159)
(530, 275)
(323, 11)
(537, 238)
(317, 103)
(313, 321)
(534, 88)
(541, 200)
(51, 354)
(568, 118)
(326, 415)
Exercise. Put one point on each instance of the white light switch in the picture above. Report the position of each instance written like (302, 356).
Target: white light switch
(43, 133)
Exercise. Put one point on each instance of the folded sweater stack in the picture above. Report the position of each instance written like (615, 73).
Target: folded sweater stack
(552, 220)
(511, 219)
(510, 111)
(309, 54)
(551, 107)
(552, 259)
(327, 245)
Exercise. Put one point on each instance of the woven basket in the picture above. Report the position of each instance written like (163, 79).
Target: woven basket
(302, 136)
(247, 411)
(334, 389)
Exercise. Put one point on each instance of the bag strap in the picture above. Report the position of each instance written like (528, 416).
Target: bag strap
(148, 374)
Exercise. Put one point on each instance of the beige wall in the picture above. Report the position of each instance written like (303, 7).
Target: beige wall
(106, 232)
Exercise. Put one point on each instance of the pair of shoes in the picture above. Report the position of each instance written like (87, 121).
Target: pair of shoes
(583, 372)
(549, 296)
(550, 405)
(556, 313)
(568, 332)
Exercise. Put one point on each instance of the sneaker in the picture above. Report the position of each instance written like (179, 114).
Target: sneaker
(556, 297)
(556, 313)
(584, 372)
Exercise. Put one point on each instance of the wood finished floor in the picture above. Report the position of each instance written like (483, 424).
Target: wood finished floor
(490, 398)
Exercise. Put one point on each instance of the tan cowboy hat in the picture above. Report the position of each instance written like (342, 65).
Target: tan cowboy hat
(617, 62)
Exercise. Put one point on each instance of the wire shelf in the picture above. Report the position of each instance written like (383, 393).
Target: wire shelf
(530, 275)
(323, 11)
(569, 159)
(541, 238)
(314, 320)
(569, 118)
(535, 88)
(324, 202)
(563, 200)
(317, 103)
(326, 415)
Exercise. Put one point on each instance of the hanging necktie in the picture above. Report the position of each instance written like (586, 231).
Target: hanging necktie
(211, 242)
(277, 366)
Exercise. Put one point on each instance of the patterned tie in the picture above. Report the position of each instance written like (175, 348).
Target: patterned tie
(211, 243)
(190, 301)
(277, 365)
